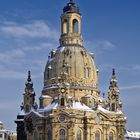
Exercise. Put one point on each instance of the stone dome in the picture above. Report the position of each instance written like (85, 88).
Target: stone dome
(71, 66)
(74, 63)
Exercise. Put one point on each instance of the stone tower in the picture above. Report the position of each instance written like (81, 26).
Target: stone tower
(114, 93)
(70, 104)
(29, 95)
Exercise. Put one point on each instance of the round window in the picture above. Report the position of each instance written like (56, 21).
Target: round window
(62, 118)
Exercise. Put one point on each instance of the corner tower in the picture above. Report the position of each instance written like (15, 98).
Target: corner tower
(113, 94)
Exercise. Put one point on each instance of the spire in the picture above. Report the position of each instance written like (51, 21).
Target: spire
(29, 84)
(113, 94)
(113, 73)
(29, 76)
(113, 81)
(29, 95)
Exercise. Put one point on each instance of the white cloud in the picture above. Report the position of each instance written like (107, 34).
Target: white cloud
(11, 54)
(136, 67)
(24, 46)
(15, 74)
(131, 87)
(35, 29)
(100, 45)
(12, 74)
(103, 44)
(41, 46)
(106, 67)
(5, 106)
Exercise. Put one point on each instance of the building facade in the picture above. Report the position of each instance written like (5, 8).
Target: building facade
(71, 107)
(6, 134)
(132, 135)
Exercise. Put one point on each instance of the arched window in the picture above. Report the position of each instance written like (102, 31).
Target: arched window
(113, 107)
(49, 134)
(65, 27)
(75, 26)
(110, 136)
(35, 135)
(62, 101)
(27, 108)
(97, 135)
(62, 134)
(79, 135)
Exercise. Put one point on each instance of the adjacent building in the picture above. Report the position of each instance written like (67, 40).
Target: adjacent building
(132, 135)
(70, 106)
(5, 134)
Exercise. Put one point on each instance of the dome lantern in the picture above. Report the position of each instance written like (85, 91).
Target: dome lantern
(71, 7)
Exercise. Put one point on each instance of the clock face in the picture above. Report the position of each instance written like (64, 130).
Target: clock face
(63, 90)
(62, 118)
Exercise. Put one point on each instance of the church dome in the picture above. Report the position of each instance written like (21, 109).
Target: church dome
(74, 63)
(71, 63)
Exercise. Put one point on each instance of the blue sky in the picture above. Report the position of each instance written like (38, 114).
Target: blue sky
(29, 29)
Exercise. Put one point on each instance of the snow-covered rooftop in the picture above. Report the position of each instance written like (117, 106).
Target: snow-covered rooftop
(45, 96)
(80, 106)
(88, 95)
(51, 106)
(22, 112)
(107, 111)
(132, 134)
(75, 105)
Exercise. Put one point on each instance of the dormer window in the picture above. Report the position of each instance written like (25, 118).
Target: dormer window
(87, 72)
(67, 69)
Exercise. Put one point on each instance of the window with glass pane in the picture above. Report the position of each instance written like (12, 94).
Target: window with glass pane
(49, 135)
(111, 136)
(1, 135)
(79, 135)
(62, 134)
(97, 135)
(35, 135)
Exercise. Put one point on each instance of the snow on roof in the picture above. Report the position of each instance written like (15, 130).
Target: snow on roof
(75, 105)
(62, 49)
(107, 111)
(37, 113)
(22, 112)
(69, 97)
(1, 122)
(80, 106)
(51, 106)
(51, 86)
(88, 95)
(132, 134)
(45, 96)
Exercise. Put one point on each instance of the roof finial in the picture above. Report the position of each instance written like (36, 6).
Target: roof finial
(29, 76)
(113, 72)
